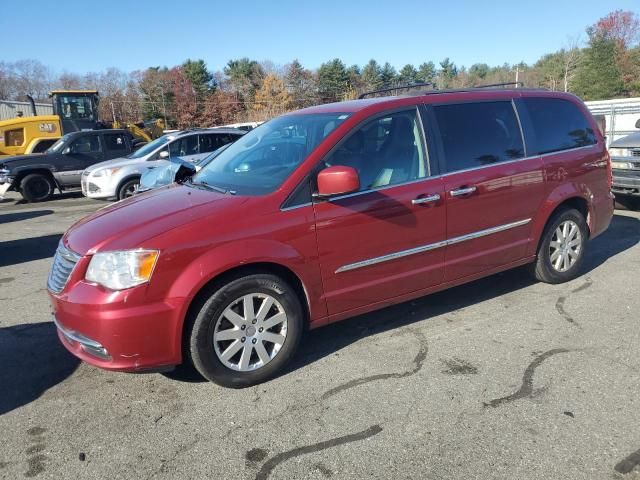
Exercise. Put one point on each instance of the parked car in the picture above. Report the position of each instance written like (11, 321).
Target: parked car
(326, 213)
(120, 178)
(625, 160)
(176, 170)
(37, 176)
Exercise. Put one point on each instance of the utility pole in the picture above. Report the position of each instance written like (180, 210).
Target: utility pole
(517, 74)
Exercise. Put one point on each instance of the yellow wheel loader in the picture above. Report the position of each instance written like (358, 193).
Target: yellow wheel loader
(73, 110)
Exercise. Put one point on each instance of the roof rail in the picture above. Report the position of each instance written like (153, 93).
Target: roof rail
(503, 84)
(397, 87)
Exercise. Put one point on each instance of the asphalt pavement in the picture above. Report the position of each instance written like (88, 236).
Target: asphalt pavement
(502, 378)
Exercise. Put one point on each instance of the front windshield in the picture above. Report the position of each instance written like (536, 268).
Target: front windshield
(203, 161)
(150, 147)
(59, 144)
(258, 162)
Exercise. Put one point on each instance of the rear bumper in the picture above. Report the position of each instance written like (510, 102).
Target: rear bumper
(118, 330)
(601, 213)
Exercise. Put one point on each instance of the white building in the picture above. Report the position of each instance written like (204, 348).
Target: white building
(9, 109)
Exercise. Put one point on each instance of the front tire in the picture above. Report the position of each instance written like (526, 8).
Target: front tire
(128, 188)
(36, 187)
(562, 247)
(246, 331)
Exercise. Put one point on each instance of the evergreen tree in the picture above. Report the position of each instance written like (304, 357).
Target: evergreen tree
(408, 74)
(427, 72)
(448, 72)
(599, 76)
(333, 80)
(371, 76)
(388, 75)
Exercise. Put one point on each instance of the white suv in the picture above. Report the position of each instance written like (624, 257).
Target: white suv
(119, 178)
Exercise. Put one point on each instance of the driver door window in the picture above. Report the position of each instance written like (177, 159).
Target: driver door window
(386, 151)
(86, 145)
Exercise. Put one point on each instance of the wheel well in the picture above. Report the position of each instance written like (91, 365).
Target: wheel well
(225, 277)
(579, 204)
(125, 180)
(42, 171)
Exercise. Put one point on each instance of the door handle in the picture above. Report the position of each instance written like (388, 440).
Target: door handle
(458, 192)
(428, 199)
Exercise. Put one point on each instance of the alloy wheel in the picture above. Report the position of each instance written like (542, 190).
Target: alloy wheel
(130, 190)
(566, 246)
(250, 332)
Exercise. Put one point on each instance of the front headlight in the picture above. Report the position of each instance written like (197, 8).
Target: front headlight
(620, 152)
(105, 172)
(122, 269)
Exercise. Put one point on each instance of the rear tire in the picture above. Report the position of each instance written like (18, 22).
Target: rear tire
(562, 247)
(36, 187)
(246, 331)
(128, 188)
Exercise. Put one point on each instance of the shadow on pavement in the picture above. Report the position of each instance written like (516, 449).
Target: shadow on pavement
(18, 200)
(624, 233)
(19, 216)
(33, 360)
(24, 250)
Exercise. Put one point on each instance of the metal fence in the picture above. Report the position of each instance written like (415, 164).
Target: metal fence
(620, 116)
(9, 109)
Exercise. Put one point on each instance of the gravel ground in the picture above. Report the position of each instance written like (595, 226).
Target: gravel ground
(501, 378)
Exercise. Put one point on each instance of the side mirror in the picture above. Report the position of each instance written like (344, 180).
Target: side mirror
(337, 180)
(66, 151)
(163, 155)
(638, 123)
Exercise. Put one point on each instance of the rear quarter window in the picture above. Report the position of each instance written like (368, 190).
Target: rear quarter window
(558, 125)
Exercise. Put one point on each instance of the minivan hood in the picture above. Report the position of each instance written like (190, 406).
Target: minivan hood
(129, 223)
(116, 162)
(630, 141)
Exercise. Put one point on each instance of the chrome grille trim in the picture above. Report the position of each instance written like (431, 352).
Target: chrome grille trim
(432, 246)
(63, 264)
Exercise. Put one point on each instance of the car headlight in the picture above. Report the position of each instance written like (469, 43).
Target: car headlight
(105, 172)
(620, 152)
(122, 269)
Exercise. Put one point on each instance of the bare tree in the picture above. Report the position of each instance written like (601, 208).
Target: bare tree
(570, 60)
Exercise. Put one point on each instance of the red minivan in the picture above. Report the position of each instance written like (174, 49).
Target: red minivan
(326, 213)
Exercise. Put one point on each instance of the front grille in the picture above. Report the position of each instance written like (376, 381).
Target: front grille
(93, 188)
(635, 152)
(63, 263)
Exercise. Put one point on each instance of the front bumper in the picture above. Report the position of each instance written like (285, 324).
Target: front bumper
(98, 187)
(119, 331)
(4, 188)
(626, 182)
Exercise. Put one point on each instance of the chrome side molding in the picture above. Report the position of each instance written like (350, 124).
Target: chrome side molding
(432, 246)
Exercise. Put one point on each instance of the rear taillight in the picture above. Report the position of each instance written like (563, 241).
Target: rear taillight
(607, 158)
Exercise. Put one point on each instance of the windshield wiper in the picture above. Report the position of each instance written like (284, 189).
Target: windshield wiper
(206, 186)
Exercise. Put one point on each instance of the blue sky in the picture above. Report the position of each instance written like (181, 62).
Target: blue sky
(77, 37)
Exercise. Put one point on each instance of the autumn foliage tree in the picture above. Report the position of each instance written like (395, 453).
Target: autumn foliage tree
(272, 98)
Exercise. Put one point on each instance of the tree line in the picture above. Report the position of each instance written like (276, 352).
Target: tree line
(606, 65)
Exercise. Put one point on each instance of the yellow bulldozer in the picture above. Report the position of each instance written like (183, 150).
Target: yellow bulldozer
(73, 110)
